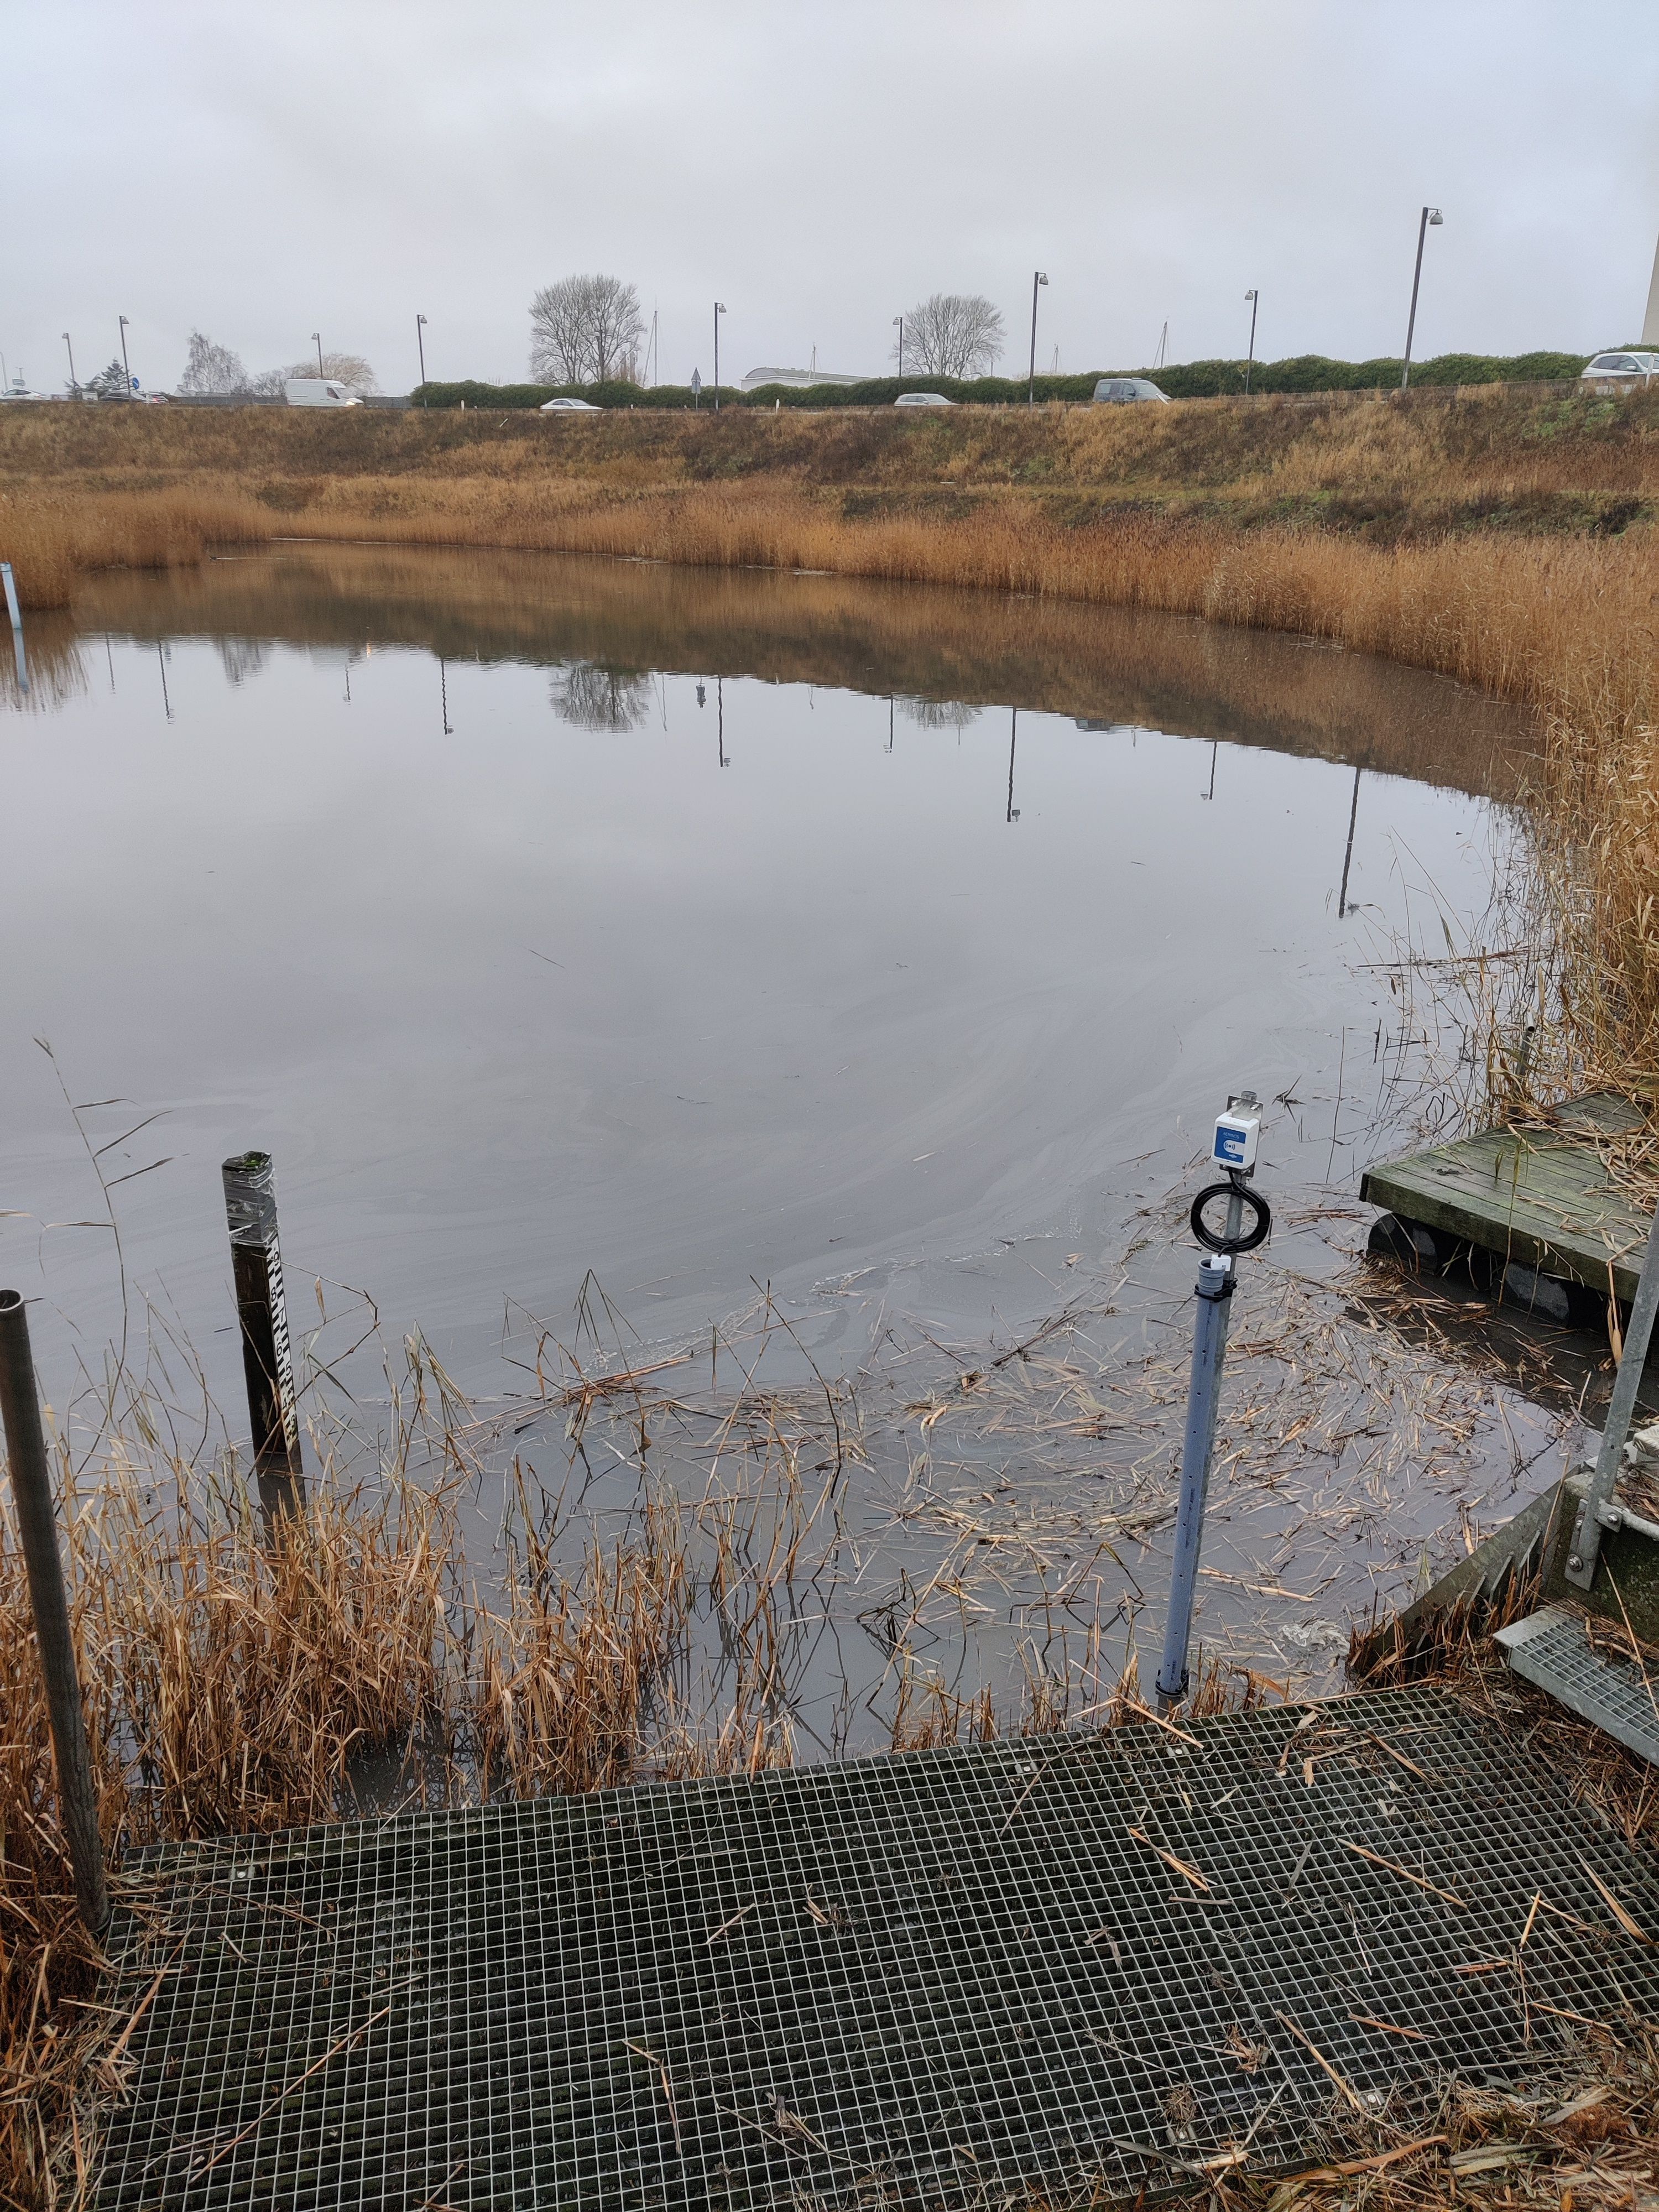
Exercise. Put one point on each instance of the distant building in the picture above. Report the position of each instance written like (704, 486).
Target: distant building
(799, 379)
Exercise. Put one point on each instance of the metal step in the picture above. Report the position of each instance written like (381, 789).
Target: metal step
(1551, 1648)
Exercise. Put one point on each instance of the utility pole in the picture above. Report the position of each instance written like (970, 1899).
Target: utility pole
(74, 386)
(125, 364)
(1030, 389)
(1430, 215)
(420, 325)
(318, 337)
(720, 309)
(898, 325)
(1250, 364)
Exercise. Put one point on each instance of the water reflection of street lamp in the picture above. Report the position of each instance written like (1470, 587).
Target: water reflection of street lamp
(889, 721)
(1250, 364)
(1013, 731)
(719, 719)
(1031, 388)
(1430, 215)
(1347, 857)
(720, 309)
(1215, 747)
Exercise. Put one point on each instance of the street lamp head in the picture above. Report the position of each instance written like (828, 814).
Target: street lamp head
(122, 320)
(1041, 278)
(719, 307)
(420, 318)
(1434, 216)
(1250, 294)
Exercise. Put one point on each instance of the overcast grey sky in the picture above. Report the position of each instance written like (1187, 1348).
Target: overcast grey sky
(264, 170)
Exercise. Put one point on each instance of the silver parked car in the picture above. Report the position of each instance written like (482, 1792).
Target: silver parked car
(1121, 388)
(1621, 366)
(923, 400)
(569, 407)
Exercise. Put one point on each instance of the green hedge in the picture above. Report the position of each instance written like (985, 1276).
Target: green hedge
(1190, 380)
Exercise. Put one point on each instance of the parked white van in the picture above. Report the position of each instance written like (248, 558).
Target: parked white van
(318, 392)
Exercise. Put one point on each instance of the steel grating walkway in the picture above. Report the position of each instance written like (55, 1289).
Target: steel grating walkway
(941, 1978)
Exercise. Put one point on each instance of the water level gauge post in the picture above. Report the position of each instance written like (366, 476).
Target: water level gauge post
(1234, 1149)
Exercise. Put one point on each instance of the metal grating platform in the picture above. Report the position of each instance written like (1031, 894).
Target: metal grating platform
(1551, 1650)
(942, 1979)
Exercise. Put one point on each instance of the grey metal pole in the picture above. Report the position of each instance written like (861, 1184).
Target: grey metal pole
(1037, 278)
(37, 1525)
(1215, 1290)
(1250, 366)
(125, 364)
(1598, 1512)
(9, 584)
(267, 1360)
(1417, 278)
(420, 341)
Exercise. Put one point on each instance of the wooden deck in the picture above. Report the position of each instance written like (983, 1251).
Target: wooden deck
(1543, 1198)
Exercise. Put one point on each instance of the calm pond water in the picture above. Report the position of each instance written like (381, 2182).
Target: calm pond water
(889, 947)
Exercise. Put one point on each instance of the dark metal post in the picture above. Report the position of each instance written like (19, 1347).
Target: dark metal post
(420, 340)
(1250, 366)
(1014, 734)
(126, 363)
(720, 309)
(74, 386)
(1215, 1290)
(318, 335)
(267, 1362)
(37, 1525)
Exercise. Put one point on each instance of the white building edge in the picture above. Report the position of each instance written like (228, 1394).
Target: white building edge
(799, 379)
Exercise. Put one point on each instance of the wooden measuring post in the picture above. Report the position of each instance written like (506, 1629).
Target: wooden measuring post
(37, 1526)
(262, 1310)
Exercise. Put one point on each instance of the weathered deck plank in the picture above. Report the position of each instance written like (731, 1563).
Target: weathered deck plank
(1541, 1198)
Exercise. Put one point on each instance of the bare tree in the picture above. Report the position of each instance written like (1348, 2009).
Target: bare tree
(594, 697)
(211, 368)
(952, 334)
(584, 330)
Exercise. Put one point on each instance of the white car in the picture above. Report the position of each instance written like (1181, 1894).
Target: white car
(1121, 389)
(1607, 367)
(923, 400)
(568, 407)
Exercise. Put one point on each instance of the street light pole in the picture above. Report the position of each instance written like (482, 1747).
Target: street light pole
(1250, 364)
(898, 324)
(74, 386)
(420, 325)
(1429, 216)
(720, 309)
(317, 336)
(1031, 387)
(125, 364)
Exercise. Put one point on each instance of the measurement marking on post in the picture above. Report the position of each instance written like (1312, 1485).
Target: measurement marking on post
(267, 1358)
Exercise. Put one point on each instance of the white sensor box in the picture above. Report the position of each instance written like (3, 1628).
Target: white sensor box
(1236, 1137)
